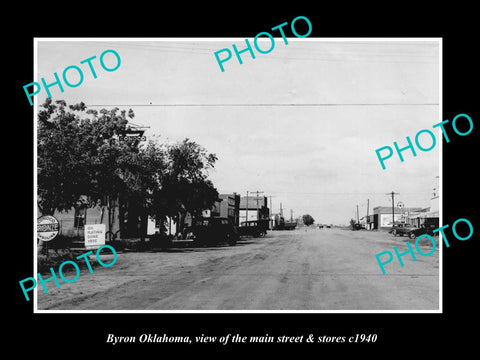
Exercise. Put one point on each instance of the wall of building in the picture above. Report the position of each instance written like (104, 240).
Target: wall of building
(230, 207)
(255, 203)
(121, 219)
(383, 216)
(252, 215)
(72, 221)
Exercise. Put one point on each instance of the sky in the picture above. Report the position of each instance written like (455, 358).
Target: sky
(300, 123)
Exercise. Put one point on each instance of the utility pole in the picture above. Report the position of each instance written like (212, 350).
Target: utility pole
(257, 192)
(367, 222)
(246, 214)
(235, 214)
(281, 210)
(358, 216)
(270, 214)
(393, 206)
(436, 189)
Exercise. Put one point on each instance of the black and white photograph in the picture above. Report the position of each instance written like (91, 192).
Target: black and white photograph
(303, 179)
(224, 180)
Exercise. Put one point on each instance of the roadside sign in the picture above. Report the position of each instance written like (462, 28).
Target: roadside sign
(94, 236)
(47, 228)
(132, 138)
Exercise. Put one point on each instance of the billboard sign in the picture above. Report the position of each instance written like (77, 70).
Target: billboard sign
(386, 219)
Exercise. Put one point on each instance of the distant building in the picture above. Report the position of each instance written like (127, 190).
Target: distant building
(123, 217)
(227, 206)
(430, 217)
(255, 206)
(382, 216)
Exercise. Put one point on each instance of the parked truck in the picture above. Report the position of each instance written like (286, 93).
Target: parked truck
(281, 224)
(255, 228)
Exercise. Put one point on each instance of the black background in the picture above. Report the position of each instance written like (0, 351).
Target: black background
(61, 335)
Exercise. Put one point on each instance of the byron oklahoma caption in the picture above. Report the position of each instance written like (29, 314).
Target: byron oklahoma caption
(237, 338)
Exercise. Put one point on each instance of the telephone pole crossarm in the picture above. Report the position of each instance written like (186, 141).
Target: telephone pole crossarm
(257, 193)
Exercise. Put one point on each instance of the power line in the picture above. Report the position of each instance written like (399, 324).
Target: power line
(200, 48)
(258, 193)
(267, 104)
(278, 193)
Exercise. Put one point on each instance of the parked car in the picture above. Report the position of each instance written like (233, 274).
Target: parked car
(413, 234)
(402, 229)
(213, 230)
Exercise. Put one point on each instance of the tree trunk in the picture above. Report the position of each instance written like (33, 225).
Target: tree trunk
(181, 222)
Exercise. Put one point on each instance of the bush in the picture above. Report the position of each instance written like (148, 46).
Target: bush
(352, 224)
(308, 219)
(158, 241)
(60, 242)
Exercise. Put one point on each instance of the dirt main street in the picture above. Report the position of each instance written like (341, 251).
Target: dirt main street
(313, 269)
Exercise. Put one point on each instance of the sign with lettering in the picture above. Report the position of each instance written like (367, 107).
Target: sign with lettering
(47, 228)
(94, 236)
(386, 219)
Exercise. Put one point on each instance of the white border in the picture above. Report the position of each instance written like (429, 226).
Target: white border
(440, 178)
(339, 40)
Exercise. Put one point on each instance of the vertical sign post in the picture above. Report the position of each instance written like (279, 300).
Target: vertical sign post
(47, 229)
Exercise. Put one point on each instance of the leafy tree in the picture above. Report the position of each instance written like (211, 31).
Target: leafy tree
(308, 219)
(352, 224)
(186, 187)
(73, 153)
(79, 154)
